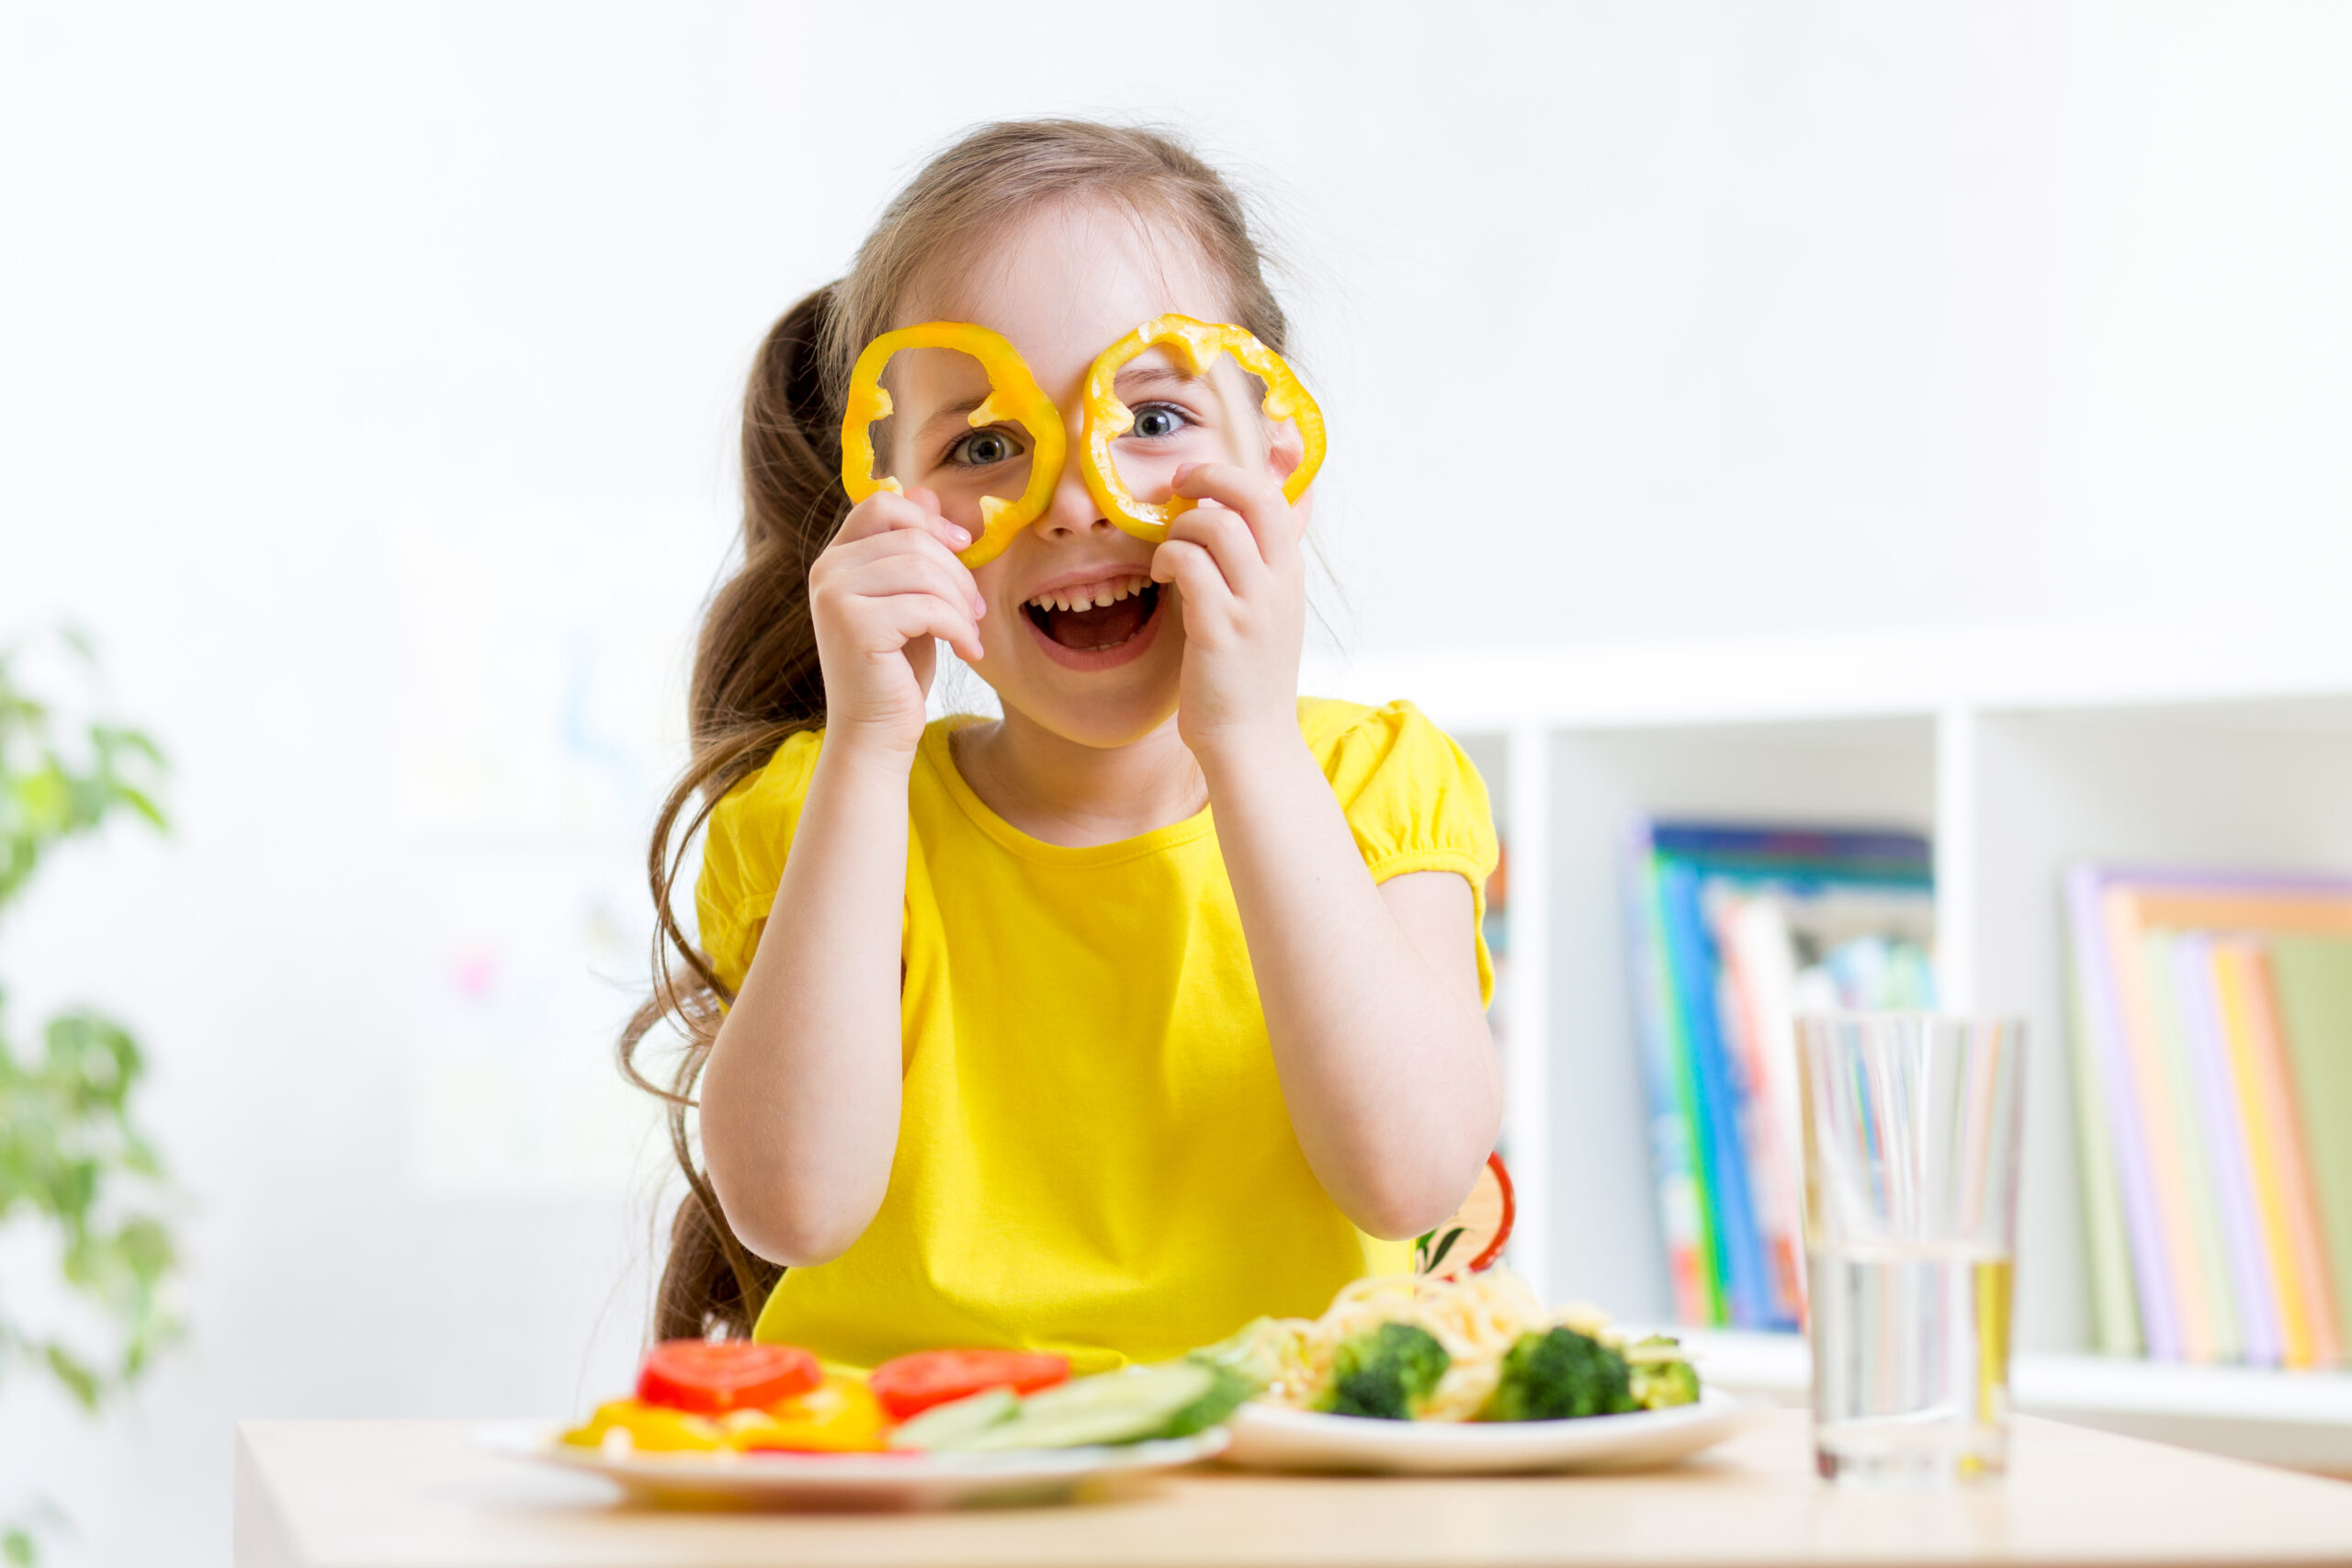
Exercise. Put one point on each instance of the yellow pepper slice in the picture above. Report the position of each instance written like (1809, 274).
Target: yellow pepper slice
(652, 1428)
(839, 1416)
(1195, 345)
(1014, 394)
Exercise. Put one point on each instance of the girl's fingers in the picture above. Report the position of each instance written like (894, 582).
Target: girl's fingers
(1228, 539)
(917, 510)
(844, 563)
(1195, 574)
(906, 572)
(1256, 497)
(912, 615)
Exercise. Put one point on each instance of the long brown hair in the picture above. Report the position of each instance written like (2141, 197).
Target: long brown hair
(756, 680)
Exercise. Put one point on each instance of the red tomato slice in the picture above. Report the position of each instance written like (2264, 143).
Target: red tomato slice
(710, 1377)
(1470, 1241)
(912, 1384)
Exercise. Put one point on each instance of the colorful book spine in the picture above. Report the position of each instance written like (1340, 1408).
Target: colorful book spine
(1722, 1162)
(1682, 1210)
(2222, 1117)
(2298, 1192)
(2311, 975)
(2269, 1141)
(2115, 1307)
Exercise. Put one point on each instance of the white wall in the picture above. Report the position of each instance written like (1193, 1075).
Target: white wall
(365, 385)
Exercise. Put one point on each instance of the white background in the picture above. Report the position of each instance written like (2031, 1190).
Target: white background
(366, 387)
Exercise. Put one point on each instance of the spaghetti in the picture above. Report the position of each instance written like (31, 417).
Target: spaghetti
(1477, 1318)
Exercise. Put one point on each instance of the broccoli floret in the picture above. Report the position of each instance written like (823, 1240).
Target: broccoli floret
(1660, 1376)
(1386, 1373)
(1547, 1377)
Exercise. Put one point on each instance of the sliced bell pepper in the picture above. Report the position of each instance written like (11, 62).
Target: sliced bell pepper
(1195, 345)
(839, 1416)
(652, 1428)
(1014, 394)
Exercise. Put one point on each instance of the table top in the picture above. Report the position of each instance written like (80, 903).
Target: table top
(418, 1494)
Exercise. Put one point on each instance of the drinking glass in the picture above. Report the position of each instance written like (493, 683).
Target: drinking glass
(1911, 1142)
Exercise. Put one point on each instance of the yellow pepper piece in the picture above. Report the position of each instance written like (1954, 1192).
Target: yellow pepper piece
(1014, 394)
(652, 1428)
(839, 1416)
(1195, 345)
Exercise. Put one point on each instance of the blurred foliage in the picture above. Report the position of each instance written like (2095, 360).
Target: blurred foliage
(73, 1163)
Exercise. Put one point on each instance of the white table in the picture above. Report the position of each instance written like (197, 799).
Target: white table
(416, 1495)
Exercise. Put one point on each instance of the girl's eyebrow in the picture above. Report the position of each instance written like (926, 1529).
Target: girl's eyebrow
(959, 412)
(1162, 375)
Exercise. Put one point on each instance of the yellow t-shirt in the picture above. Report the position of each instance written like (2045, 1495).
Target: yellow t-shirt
(1093, 1153)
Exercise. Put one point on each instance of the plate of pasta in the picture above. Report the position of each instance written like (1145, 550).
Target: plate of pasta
(1416, 1374)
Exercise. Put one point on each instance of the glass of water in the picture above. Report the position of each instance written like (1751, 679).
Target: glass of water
(1911, 1141)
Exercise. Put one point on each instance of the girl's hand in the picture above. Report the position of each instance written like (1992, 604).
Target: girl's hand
(886, 585)
(1239, 568)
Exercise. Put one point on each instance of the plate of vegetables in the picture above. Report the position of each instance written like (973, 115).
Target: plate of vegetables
(1469, 1374)
(730, 1423)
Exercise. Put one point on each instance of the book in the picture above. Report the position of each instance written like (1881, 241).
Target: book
(2210, 1102)
(2222, 1114)
(2115, 1112)
(2312, 974)
(1733, 930)
(2290, 1239)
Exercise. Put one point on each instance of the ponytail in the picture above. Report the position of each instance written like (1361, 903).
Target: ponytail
(756, 683)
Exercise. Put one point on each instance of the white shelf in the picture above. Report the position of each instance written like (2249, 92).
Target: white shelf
(2018, 749)
(2302, 1419)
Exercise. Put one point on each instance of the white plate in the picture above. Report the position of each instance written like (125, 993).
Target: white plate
(850, 1480)
(1267, 1437)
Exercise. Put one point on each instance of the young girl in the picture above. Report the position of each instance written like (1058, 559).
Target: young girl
(1153, 1007)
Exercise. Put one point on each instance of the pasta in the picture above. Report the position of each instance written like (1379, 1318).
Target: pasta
(1477, 1318)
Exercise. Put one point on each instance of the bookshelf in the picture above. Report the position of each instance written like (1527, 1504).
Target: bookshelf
(2018, 749)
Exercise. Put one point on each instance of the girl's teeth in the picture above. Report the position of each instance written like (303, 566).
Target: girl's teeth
(1091, 596)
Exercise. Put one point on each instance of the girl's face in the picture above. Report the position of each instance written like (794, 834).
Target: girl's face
(1077, 636)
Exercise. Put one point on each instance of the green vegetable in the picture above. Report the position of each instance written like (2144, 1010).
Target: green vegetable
(956, 1423)
(1660, 1377)
(1247, 1355)
(1226, 1395)
(1387, 1373)
(1550, 1377)
(1173, 1400)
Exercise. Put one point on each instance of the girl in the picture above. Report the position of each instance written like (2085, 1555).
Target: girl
(1153, 1007)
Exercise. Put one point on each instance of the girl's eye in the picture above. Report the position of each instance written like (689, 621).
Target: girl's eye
(983, 448)
(1154, 420)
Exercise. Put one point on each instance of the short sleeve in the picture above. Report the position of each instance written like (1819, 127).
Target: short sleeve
(1412, 797)
(742, 856)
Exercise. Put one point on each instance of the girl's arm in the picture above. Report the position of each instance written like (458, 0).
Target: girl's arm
(1371, 991)
(800, 1096)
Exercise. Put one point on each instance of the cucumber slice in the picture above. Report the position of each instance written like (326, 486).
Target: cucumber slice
(954, 1424)
(1112, 1407)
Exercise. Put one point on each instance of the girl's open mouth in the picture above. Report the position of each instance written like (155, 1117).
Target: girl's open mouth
(1097, 624)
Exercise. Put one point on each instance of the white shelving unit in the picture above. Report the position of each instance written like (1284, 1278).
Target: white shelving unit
(2019, 751)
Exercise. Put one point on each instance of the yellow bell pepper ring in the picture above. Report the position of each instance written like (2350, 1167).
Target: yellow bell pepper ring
(1195, 345)
(839, 1416)
(1014, 394)
(650, 1429)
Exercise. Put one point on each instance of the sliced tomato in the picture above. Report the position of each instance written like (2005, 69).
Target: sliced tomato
(713, 1377)
(912, 1384)
(1470, 1241)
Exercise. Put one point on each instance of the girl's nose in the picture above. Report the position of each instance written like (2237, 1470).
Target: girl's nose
(1072, 512)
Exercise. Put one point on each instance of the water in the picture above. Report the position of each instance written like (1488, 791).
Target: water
(1910, 1361)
